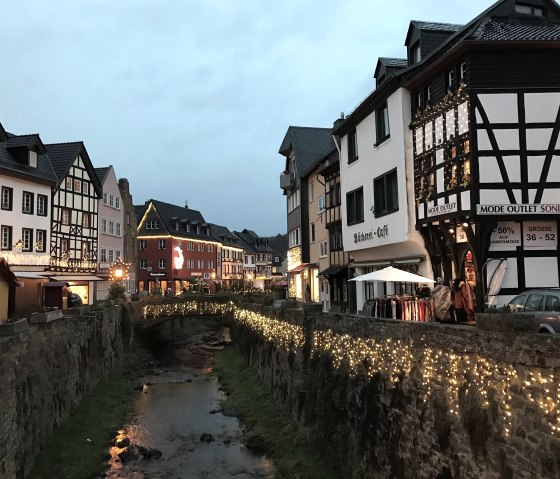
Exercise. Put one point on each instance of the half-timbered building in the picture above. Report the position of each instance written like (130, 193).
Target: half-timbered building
(229, 273)
(486, 122)
(74, 226)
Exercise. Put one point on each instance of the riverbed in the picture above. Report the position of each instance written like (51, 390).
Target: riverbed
(178, 428)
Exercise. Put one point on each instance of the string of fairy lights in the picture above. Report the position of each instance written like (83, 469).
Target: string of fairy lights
(453, 373)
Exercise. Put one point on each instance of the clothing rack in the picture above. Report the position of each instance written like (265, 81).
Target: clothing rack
(405, 307)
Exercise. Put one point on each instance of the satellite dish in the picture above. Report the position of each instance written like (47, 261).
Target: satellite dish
(149, 268)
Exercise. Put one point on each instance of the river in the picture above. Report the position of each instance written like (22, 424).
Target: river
(178, 428)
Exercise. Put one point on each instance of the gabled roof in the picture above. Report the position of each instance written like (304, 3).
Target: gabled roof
(390, 64)
(255, 243)
(102, 173)
(63, 155)
(224, 235)
(9, 162)
(430, 27)
(309, 144)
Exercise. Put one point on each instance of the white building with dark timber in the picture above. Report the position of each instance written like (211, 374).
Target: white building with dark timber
(486, 122)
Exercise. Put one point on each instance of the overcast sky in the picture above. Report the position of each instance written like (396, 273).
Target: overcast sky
(190, 100)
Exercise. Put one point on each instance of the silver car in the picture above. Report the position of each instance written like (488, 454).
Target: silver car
(544, 304)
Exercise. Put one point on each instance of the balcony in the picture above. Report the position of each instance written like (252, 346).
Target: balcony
(287, 180)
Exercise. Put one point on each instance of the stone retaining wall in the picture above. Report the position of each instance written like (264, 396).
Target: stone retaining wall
(47, 369)
(385, 398)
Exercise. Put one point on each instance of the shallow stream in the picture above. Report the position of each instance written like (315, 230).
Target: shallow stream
(178, 429)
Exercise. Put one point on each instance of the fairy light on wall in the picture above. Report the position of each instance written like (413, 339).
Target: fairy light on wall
(453, 373)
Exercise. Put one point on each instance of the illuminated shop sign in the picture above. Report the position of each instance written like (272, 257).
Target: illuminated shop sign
(381, 232)
(442, 209)
(521, 209)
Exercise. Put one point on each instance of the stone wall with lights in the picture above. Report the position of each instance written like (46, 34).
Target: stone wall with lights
(384, 398)
(45, 372)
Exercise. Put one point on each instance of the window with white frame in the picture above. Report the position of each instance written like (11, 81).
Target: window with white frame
(462, 70)
(352, 146)
(161, 263)
(40, 241)
(77, 185)
(118, 254)
(322, 204)
(143, 264)
(27, 203)
(85, 188)
(117, 202)
(294, 237)
(293, 200)
(161, 244)
(103, 225)
(65, 216)
(69, 183)
(7, 196)
(27, 238)
(323, 249)
(152, 224)
(111, 200)
(6, 237)
(142, 244)
(85, 250)
(118, 229)
(200, 264)
(103, 255)
(105, 198)
(190, 263)
(85, 220)
(111, 227)
(311, 191)
(111, 256)
(64, 246)
(42, 205)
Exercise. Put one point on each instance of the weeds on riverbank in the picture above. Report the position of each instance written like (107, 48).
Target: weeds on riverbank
(265, 423)
(78, 447)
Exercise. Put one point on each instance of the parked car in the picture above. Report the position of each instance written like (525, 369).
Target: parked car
(544, 303)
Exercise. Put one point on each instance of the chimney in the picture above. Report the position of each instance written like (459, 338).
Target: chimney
(186, 204)
(338, 121)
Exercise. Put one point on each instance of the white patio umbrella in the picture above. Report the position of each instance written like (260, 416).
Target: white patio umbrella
(393, 274)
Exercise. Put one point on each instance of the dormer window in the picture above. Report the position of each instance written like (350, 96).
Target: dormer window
(32, 159)
(415, 53)
(527, 9)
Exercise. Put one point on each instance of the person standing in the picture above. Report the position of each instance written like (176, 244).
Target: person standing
(66, 294)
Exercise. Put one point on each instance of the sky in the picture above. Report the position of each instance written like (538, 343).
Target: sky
(190, 100)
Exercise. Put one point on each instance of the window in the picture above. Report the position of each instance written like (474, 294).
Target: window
(142, 244)
(462, 70)
(293, 239)
(352, 146)
(419, 100)
(40, 241)
(210, 264)
(152, 224)
(322, 204)
(200, 264)
(33, 159)
(527, 9)
(323, 249)
(104, 255)
(111, 200)
(416, 53)
(117, 202)
(552, 303)
(312, 232)
(77, 186)
(103, 225)
(69, 183)
(105, 197)
(27, 238)
(118, 229)
(450, 80)
(117, 254)
(86, 220)
(85, 188)
(161, 244)
(6, 233)
(201, 247)
(111, 227)
(65, 216)
(143, 264)
(42, 205)
(382, 124)
(111, 256)
(534, 303)
(64, 247)
(311, 191)
(85, 250)
(355, 206)
(293, 200)
(7, 196)
(428, 94)
(190, 264)
(161, 263)
(27, 203)
(386, 194)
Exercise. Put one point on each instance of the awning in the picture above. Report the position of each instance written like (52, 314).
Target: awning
(29, 275)
(301, 267)
(76, 278)
(332, 271)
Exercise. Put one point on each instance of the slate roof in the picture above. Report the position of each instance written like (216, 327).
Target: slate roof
(102, 173)
(62, 156)
(254, 242)
(510, 29)
(8, 161)
(436, 26)
(310, 145)
(224, 235)
(170, 213)
(393, 62)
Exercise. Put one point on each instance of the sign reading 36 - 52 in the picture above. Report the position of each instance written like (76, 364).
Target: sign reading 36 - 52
(540, 235)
